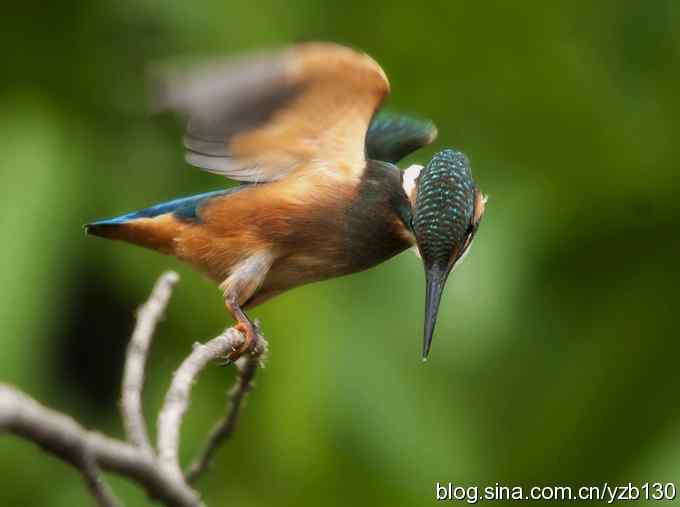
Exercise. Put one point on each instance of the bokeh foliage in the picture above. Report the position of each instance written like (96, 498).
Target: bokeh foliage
(555, 359)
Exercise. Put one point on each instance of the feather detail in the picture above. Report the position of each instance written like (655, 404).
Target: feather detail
(392, 137)
(264, 116)
(158, 233)
(158, 226)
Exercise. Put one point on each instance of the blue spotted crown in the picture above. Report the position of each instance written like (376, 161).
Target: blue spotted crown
(444, 207)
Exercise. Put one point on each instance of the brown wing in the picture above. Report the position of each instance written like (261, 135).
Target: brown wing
(264, 116)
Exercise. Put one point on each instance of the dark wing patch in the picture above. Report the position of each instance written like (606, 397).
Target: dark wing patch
(189, 208)
(264, 116)
(392, 137)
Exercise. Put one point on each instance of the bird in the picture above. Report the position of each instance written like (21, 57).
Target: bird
(319, 196)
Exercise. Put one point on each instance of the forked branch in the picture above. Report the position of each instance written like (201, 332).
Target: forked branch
(157, 470)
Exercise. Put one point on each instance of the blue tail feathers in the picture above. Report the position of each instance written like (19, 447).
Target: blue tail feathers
(185, 208)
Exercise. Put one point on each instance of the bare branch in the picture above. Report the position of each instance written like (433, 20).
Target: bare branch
(138, 349)
(224, 428)
(95, 483)
(158, 471)
(177, 397)
(65, 438)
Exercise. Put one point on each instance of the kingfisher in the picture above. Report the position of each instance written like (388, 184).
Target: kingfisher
(320, 195)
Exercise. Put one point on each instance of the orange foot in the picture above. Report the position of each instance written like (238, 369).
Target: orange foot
(249, 341)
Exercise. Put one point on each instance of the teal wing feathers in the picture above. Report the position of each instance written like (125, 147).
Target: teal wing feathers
(392, 137)
(185, 209)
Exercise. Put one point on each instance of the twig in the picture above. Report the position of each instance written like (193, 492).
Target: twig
(224, 428)
(178, 395)
(65, 438)
(158, 471)
(100, 490)
(138, 349)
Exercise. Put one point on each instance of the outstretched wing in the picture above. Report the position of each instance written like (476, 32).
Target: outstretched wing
(264, 116)
(392, 137)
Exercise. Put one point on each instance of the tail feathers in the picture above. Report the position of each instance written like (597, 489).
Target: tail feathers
(157, 233)
(103, 229)
(157, 227)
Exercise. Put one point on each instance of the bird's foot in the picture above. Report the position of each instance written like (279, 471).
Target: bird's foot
(252, 343)
(248, 340)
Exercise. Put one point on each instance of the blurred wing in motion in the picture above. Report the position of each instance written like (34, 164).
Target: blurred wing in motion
(261, 117)
(392, 137)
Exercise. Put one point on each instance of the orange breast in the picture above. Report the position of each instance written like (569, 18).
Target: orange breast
(296, 219)
(314, 227)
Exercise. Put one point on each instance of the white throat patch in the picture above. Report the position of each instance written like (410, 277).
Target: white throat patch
(409, 180)
(409, 184)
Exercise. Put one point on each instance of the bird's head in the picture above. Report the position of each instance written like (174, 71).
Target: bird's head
(447, 209)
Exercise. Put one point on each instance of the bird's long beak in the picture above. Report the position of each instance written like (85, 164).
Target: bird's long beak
(435, 281)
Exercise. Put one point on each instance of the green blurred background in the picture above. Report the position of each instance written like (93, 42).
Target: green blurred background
(555, 359)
